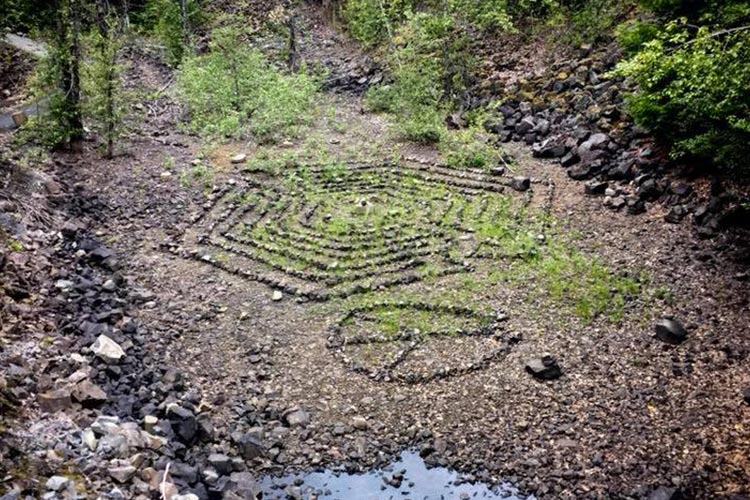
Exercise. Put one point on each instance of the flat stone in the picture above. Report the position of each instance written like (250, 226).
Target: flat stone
(89, 393)
(297, 417)
(277, 295)
(579, 172)
(595, 187)
(360, 423)
(239, 158)
(107, 349)
(569, 160)
(520, 183)
(122, 474)
(250, 446)
(55, 400)
(221, 463)
(544, 368)
(664, 493)
(57, 483)
(670, 331)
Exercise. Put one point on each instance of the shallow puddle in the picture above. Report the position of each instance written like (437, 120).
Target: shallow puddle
(417, 483)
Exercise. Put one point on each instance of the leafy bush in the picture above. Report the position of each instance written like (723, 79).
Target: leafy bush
(593, 20)
(369, 21)
(633, 35)
(725, 12)
(694, 93)
(233, 90)
(469, 148)
(430, 67)
(162, 19)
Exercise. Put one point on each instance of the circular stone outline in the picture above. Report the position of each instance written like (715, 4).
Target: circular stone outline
(337, 344)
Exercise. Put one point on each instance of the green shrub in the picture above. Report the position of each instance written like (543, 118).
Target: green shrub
(430, 67)
(469, 148)
(370, 21)
(233, 90)
(694, 93)
(723, 12)
(161, 18)
(633, 35)
(101, 79)
(594, 20)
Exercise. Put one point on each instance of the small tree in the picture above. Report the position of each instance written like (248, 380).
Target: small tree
(65, 107)
(103, 83)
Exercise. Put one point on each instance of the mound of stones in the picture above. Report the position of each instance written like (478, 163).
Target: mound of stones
(574, 114)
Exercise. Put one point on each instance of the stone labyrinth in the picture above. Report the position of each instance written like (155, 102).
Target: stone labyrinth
(336, 231)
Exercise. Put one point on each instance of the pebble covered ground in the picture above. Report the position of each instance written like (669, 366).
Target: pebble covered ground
(135, 369)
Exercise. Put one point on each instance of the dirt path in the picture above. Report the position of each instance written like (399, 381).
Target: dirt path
(629, 413)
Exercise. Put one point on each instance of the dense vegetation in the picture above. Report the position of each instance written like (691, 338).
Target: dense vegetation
(689, 59)
(693, 76)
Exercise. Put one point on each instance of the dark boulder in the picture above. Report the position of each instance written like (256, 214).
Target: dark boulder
(544, 368)
(520, 183)
(670, 331)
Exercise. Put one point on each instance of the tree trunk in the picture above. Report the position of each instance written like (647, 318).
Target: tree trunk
(109, 58)
(293, 56)
(184, 22)
(69, 40)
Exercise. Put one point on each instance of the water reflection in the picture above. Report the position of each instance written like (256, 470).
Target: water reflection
(408, 478)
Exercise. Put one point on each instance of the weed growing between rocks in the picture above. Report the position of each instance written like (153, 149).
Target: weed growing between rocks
(233, 91)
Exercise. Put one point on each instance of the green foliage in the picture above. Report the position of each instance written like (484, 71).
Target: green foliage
(430, 68)
(633, 35)
(162, 19)
(59, 119)
(469, 148)
(583, 282)
(370, 21)
(593, 20)
(103, 96)
(26, 15)
(233, 90)
(694, 93)
(716, 12)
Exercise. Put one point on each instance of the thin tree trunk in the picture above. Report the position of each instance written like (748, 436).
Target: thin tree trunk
(103, 11)
(184, 22)
(68, 34)
(293, 60)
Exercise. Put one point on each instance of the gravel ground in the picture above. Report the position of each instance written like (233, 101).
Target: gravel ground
(630, 414)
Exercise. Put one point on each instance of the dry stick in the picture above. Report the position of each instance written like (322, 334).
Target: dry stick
(163, 485)
(715, 34)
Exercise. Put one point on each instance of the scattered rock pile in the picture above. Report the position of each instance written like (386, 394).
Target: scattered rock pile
(574, 114)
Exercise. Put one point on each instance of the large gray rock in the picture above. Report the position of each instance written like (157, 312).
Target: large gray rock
(57, 483)
(250, 446)
(107, 349)
(544, 368)
(670, 331)
(88, 393)
(122, 474)
(297, 417)
(221, 463)
(55, 400)
(664, 493)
